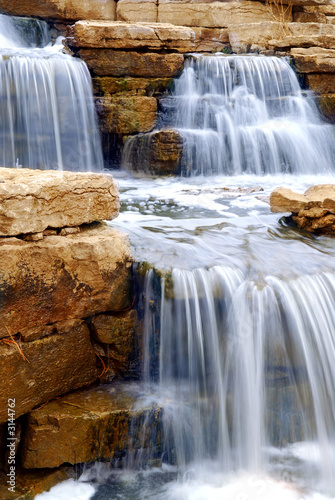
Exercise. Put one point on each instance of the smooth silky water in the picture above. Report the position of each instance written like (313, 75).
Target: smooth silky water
(245, 368)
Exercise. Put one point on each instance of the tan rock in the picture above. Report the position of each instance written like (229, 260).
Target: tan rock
(210, 39)
(326, 7)
(125, 36)
(322, 225)
(321, 196)
(313, 213)
(242, 36)
(305, 4)
(63, 277)
(321, 83)
(127, 87)
(309, 17)
(327, 105)
(137, 11)
(105, 62)
(215, 14)
(61, 9)
(33, 200)
(127, 115)
(314, 60)
(99, 422)
(121, 336)
(157, 153)
(53, 366)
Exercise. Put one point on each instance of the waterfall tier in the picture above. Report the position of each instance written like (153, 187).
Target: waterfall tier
(244, 114)
(46, 105)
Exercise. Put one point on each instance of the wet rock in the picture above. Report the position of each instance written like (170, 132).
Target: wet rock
(96, 424)
(327, 105)
(214, 14)
(313, 211)
(127, 115)
(124, 36)
(121, 338)
(157, 153)
(321, 83)
(33, 200)
(38, 370)
(62, 277)
(61, 9)
(105, 62)
(126, 87)
(314, 60)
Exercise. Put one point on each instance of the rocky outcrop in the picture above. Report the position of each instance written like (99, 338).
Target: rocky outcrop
(105, 62)
(127, 87)
(34, 200)
(127, 115)
(137, 11)
(314, 60)
(64, 10)
(102, 422)
(313, 211)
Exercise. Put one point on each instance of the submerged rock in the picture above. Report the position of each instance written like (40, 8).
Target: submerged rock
(313, 211)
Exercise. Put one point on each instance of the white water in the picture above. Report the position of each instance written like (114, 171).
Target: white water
(46, 105)
(241, 114)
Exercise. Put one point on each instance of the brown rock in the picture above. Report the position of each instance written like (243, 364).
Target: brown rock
(327, 105)
(127, 115)
(215, 14)
(157, 153)
(31, 483)
(322, 225)
(124, 36)
(320, 196)
(61, 9)
(122, 334)
(54, 365)
(32, 200)
(63, 277)
(127, 87)
(309, 17)
(88, 425)
(313, 213)
(314, 60)
(320, 83)
(137, 11)
(325, 7)
(210, 39)
(105, 62)
(242, 36)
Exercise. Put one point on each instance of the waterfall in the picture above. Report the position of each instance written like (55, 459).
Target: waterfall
(245, 366)
(46, 105)
(243, 114)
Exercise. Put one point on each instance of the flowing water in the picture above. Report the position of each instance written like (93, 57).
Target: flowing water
(245, 302)
(46, 105)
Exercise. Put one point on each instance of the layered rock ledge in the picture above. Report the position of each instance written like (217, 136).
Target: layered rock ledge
(313, 211)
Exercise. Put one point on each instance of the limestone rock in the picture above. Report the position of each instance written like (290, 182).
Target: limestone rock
(327, 105)
(321, 83)
(89, 425)
(215, 14)
(126, 87)
(326, 7)
(156, 153)
(125, 36)
(314, 60)
(309, 17)
(54, 364)
(61, 9)
(137, 11)
(33, 200)
(127, 115)
(123, 335)
(63, 277)
(210, 39)
(105, 62)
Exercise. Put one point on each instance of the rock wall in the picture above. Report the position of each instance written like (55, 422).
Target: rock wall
(66, 310)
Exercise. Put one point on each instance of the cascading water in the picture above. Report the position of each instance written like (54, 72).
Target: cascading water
(242, 114)
(46, 105)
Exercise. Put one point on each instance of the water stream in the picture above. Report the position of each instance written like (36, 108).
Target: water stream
(245, 364)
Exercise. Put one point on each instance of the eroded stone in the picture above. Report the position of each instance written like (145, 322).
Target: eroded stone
(314, 60)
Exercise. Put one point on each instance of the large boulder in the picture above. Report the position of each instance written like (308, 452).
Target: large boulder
(61, 277)
(33, 200)
(125, 36)
(35, 371)
(314, 60)
(96, 424)
(127, 115)
(65, 10)
(106, 62)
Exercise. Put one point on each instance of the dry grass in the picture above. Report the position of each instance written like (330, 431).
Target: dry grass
(280, 13)
(17, 345)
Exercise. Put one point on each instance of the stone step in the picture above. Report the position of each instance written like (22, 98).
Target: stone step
(101, 423)
(314, 60)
